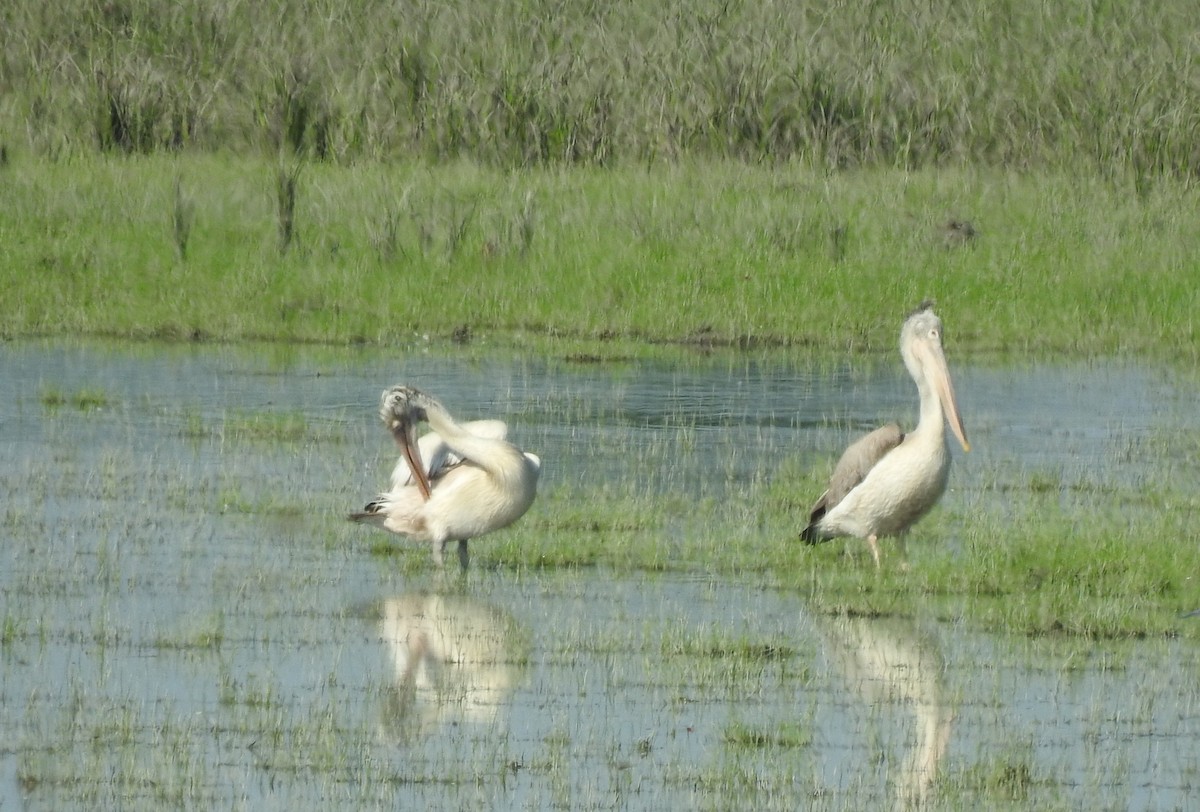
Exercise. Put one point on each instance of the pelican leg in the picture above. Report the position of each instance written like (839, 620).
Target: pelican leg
(464, 555)
(902, 546)
(873, 541)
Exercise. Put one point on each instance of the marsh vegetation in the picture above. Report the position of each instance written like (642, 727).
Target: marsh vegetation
(188, 619)
(520, 83)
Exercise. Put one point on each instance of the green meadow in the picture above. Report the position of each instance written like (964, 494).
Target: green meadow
(746, 175)
(710, 254)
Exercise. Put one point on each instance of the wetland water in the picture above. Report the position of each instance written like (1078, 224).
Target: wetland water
(187, 620)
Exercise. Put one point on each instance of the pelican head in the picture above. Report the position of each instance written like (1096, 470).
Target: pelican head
(402, 404)
(402, 408)
(921, 346)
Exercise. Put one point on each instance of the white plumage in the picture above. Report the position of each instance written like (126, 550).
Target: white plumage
(456, 483)
(888, 480)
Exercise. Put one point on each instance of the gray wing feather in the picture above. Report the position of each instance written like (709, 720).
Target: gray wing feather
(852, 468)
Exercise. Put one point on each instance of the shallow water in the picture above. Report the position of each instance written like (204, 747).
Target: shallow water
(184, 622)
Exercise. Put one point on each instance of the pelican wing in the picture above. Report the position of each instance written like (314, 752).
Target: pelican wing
(854, 465)
(439, 457)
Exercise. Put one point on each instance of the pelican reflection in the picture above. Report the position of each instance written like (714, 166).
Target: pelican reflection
(891, 661)
(455, 660)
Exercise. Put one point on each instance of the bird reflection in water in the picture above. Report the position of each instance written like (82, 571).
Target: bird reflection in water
(455, 659)
(891, 661)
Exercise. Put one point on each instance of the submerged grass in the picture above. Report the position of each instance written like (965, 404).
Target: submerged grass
(262, 427)
(1037, 571)
(785, 735)
(1039, 552)
(83, 400)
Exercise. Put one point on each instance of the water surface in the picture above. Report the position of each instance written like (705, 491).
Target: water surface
(186, 621)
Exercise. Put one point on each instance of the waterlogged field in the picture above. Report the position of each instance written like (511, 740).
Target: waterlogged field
(188, 620)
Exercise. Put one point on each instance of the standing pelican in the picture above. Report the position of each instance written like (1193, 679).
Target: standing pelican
(888, 480)
(458, 482)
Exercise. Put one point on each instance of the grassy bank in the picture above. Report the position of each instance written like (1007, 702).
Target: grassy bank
(755, 175)
(235, 248)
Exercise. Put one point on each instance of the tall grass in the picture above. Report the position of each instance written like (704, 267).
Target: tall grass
(521, 82)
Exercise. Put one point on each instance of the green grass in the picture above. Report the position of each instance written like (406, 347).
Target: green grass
(597, 265)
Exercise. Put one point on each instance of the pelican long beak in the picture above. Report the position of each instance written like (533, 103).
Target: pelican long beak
(405, 432)
(396, 412)
(945, 393)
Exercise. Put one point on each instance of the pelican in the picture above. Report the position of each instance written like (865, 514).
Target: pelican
(887, 480)
(458, 481)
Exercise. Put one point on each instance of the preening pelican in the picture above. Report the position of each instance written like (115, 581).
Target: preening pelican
(458, 481)
(888, 480)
